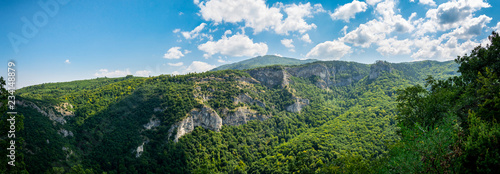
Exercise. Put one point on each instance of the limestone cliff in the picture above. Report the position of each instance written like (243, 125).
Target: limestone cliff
(270, 76)
(297, 105)
(241, 116)
(62, 109)
(205, 117)
(245, 98)
(378, 68)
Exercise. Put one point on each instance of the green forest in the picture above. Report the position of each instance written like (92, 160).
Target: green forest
(417, 117)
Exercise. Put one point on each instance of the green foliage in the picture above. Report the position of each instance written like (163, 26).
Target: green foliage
(452, 127)
(345, 128)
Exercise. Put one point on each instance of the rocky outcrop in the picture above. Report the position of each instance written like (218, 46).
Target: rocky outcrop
(205, 117)
(64, 109)
(270, 76)
(209, 119)
(139, 150)
(245, 98)
(298, 105)
(65, 132)
(52, 116)
(153, 122)
(241, 116)
(318, 71)
(378, 68)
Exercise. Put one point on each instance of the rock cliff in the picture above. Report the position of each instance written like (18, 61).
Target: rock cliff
(270, 76)
(205, 117)
(378, 68)
(298, 105)
(241, 116)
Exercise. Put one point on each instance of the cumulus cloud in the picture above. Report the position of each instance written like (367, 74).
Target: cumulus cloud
(288, 43)
(237, 45)
(372, 2)
(437, 49)
(377, 29)
(329, 50)
(176, 30)
(472, 28)
(257, 15)
(142, 73)
(176, 64)
(349, 10)
(306, 38)
(197, 66)
(426, 2)
(67, 61)
(450, 15)
(173, 53)
(497, 28)
(116, 73)
(393, 46)
(193, 33)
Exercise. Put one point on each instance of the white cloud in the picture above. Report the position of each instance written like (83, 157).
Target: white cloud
(175, 73)
(257, 15)
(497, 28)
(366, 34)
(377, 29)
(116, 73)
(143, 73)
(372, 2)
(306, 38)
(295, 19)
(187, 51)
(176, 30)
(348, 10)
(176, 64)
(180, 13)
(221, 61)
(450, 15)
(437, 49)
(392, 46)
(469, 29)
(67, 61)
(288, 43)
(237, 45)
(329, 50)
(194, 33)
(173, 53)
(227, 32)
(198, 66)
(344, 30)
(427, 2)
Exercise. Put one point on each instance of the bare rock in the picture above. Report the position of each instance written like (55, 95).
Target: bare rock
(241, 116)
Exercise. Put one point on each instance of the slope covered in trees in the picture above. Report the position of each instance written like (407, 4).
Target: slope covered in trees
(316, 117)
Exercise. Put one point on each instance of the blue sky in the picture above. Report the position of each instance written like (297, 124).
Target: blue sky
(65, 40)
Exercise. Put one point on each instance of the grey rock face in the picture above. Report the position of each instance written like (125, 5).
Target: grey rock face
(270, 76)
(153, 122)
(378, 68)
(244, 98)
(241, 116)
(298, 105)
(205, 117)
(65, 132)
(313, 70)
(52, 116)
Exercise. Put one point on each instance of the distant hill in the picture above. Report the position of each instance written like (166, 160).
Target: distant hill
(262, 61)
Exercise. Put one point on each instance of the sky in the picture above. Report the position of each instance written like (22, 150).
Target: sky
(66, 40)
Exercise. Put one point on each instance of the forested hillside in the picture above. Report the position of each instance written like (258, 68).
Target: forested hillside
(319, 117)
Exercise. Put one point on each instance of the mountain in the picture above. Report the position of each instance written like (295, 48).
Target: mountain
(272, 119)
(262, 61)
